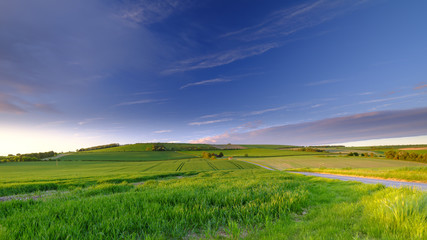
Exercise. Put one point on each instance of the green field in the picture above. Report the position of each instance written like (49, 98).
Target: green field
(141, 147)
(334, 161)
(178, 195)
(266, 146)
(126, 156)
(255, 152)
(50, 175)
(250, 204)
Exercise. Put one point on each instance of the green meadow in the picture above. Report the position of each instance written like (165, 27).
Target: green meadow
(139, 194)
(101, 155)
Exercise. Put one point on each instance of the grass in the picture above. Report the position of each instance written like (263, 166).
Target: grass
(27, 177)
(255, 152)
(125, 156)
(406, 173)
(268, 146)
(252, 204)
(177, 195)
(142, 147)
(319, 161)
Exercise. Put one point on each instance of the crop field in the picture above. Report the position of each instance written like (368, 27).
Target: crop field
(141, 147)
(255, 152)
(266, 146)
(50, 175)
(250, 204)
(334, 161)
(178, 195)
(126, 156)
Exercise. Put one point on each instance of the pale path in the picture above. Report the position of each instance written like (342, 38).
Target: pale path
(388, 183)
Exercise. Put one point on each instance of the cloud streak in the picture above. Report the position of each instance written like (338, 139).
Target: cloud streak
(220, 58)
(371, 125)
(205, 82)
(143, 101)
(209, 122)
(312, 84)
(271, 33)
(163, 131)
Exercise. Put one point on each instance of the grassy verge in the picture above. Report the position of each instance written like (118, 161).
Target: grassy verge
(407, 173)
(253, 204)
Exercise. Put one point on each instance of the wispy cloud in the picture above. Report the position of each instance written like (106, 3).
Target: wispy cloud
(209, 122)
(151, 11)
(163, 131)
(7, 107)
(89, 120)
(421, 86)
(270, 33)
(143, 101)
(371, 125)
(258, 112)
(220, 58)
(390, 99)
(217, 115)
(323, 82)
(205, 82)
(17, 105)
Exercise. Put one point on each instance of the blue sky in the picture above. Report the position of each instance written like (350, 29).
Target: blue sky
(82, 73)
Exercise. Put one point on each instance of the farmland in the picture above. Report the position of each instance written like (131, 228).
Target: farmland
(140, 194)
(329, 161)
(126, 156)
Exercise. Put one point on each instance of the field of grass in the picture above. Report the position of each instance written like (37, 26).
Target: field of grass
(255, 152)
(100, 155)
(142, 147)
(406, 173)
(251, 204)
(266, 146)
(306, 161)
(177, 195)
(26, 177)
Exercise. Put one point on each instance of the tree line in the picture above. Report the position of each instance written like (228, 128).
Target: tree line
(212, 155)
(310, 149)
(98, 147)
(27, 157)
(406, 156)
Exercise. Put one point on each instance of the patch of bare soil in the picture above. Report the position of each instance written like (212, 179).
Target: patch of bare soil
(419, 148)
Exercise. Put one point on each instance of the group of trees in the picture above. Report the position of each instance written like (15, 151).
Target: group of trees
(310, 149)
(356, 154)
(158, 147)
(212, 155)
(99, 147)
(27, 157)
(407, 156)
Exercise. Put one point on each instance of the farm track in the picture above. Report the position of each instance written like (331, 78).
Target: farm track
(366, 180)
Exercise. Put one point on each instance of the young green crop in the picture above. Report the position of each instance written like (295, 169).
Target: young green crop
(253, 204)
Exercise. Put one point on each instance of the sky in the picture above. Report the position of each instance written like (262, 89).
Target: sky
(81, 73)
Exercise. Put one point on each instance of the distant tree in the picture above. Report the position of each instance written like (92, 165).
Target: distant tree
(221, 155)
(355, 154)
